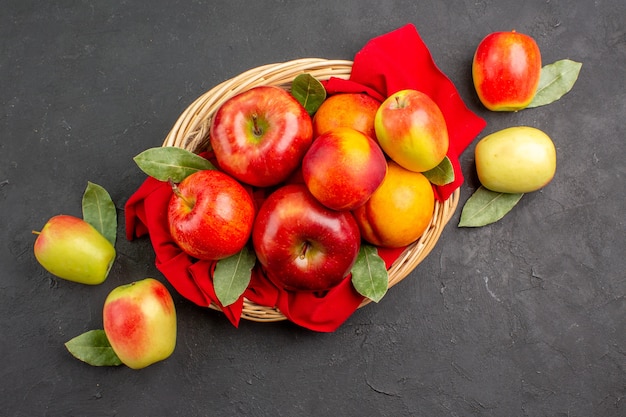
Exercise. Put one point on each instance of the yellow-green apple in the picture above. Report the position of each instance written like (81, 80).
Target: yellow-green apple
(505, 70)
(355, 110)
(399, 211)
(301, 244)
(72, 249)
(260, 136)
(411, 129)
(343, 167)
(517, 159)
(140, 322)
(210, 215)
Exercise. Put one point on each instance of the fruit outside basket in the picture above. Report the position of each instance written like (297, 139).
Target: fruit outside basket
(191, 132)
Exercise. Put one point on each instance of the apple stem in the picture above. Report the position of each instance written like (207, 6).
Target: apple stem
(35, 232)
(255, 129)
(177, 192)
(305, 248)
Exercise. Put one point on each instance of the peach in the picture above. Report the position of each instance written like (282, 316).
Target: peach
(355, 110)
(399, 211)
(343, 167)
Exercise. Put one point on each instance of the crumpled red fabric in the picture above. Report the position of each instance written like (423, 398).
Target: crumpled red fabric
(400, 60)
(386, 64)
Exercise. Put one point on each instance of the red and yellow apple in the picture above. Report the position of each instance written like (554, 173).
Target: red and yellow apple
(518, 159)
(399, 211)
(343, 167)
(301, 244)
(412, 130)
(355, 110)
(70, 248)
(505, 70)
(140, 322)
(259, 136)
(210, 215)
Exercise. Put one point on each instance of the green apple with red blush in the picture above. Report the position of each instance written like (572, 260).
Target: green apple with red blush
(70, 248)
(140, 322)
(259, 136)
(412, 130)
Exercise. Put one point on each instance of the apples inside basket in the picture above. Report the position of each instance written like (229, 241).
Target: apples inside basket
(191, 132)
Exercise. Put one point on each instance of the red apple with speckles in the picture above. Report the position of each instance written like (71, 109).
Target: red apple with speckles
(210, 215)
(260, 136)
(140, 322)
(343, 167)
(301, 244)
(506, 70)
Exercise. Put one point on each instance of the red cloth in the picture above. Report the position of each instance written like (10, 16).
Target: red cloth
(386, 64)
(400, 60)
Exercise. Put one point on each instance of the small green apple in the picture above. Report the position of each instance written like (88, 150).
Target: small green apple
(518, 159)
(140, 322)
(70, 248)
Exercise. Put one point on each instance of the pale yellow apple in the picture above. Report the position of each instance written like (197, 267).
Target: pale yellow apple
(518, 159)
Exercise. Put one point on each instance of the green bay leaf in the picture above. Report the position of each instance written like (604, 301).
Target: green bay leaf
(99, 211)
(308, 91)
(442, 174)
(232, 276)
(369, 274)
(93, 347)
(485, 207)
(168, 162)
(556, 80)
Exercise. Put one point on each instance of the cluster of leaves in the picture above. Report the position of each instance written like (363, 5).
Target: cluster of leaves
(485, 206)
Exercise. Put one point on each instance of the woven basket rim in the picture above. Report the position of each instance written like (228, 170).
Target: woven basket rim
(191, 129)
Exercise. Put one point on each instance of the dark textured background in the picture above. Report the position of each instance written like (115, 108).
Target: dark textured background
(524, 317)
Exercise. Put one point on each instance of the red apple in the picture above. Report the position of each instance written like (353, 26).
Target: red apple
(70, 248)
(355, 110)
(301, 244)
(140, 322)
(506, 70)
(210, 215)
(343, 167)
(411, 129)
(260, 136)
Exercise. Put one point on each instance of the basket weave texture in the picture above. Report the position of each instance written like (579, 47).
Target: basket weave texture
(191, 132)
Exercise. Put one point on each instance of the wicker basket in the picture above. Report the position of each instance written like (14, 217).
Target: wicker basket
(191, 131)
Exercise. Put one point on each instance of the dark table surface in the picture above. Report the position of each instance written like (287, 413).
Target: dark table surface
(524, 317)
